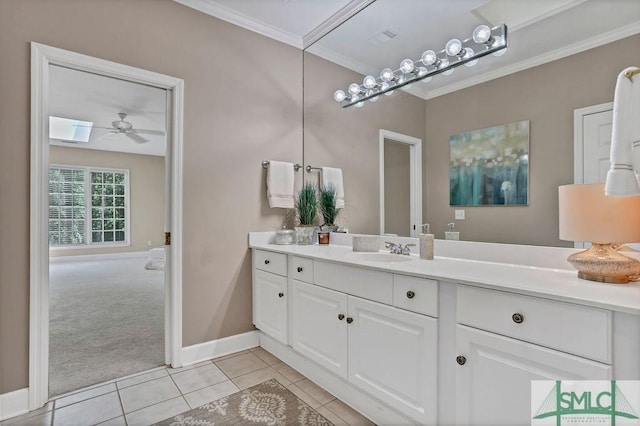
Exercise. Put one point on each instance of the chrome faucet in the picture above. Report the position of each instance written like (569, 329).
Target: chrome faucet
(399, 248)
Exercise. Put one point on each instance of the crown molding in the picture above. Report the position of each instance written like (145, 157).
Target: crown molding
(599, 40)
(334, 21)
(339, 59)
(244, 21)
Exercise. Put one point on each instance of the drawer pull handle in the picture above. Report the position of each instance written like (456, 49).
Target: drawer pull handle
(349, 320)
(299, 268)
(461, 360)
(266, 261)
(281, 294)
(411, 294)
(340, 317)
(517, 318)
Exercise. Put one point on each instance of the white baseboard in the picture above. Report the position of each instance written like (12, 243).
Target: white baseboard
(369, 407)
(220, 347)
(98, 257)
(14, 403)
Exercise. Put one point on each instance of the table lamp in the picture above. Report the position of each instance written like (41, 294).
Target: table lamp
(586, 214)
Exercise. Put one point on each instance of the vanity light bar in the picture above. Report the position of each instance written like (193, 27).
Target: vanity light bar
(484, 41)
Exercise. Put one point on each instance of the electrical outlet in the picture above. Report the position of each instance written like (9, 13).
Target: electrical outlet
(459, 215)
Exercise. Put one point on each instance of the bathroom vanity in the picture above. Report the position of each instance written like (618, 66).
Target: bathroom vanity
(447, 341)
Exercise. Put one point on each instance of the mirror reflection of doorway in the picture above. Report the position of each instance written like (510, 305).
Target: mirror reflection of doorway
(397, 217)
(106, 224)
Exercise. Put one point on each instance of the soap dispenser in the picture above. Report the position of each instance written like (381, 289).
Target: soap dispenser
(426, 243)
(451, 233)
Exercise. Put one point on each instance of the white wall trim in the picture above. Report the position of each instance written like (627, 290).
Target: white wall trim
(244, 21)
(334, 21)
(343, 390)
(14, 403)
(572, 49)
(220, 347)
(415, 177)
(42, 57)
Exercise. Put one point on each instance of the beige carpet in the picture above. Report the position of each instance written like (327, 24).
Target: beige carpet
(268, 403)
(106, 321)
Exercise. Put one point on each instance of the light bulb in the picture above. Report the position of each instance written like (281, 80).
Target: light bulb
(429, 57)
(387, 75)
(468, 53)
(359, 104)
(453, 47)
(354, 88)
(339, 95)
(406, 66)
(384, 86)
(422, 71)
(471, 63)
(448, 72)
(426, 80)
(482, 34)
(375, 98)
(500, 52)
(369, 82)
(401, 79)
(444, 62)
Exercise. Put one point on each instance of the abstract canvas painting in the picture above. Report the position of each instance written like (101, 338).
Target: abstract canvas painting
(490, 167)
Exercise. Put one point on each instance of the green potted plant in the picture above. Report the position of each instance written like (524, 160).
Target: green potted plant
(307, 210)
(328, 199)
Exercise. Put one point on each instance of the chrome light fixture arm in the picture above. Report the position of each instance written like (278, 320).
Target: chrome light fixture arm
(456, 53)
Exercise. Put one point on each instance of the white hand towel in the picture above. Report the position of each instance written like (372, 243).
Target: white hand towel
(280, 184)
(625, 138)
(333, 176)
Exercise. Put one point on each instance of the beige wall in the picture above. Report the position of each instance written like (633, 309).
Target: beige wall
(233, 121)
(397, 197)
(349, 137)
(146, 194)
(546, 95)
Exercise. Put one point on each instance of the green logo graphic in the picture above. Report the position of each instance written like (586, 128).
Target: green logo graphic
(609, 403)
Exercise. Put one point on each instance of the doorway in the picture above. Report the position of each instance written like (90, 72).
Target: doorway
(400, 184)
(43, 59)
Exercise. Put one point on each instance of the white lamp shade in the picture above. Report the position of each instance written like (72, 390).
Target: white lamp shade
(586, 214)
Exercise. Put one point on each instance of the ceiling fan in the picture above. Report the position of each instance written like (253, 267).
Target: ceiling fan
(126, 128)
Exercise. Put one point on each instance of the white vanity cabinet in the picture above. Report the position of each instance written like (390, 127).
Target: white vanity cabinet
(270, 293)
(387, 352)
(505, 340)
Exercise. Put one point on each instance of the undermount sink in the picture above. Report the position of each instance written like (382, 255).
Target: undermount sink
(380, 257)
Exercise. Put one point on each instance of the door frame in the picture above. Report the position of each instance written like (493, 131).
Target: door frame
(415, 177)
(42, 56)
(578, 137)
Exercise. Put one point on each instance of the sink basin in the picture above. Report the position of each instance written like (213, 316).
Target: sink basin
(380, 257)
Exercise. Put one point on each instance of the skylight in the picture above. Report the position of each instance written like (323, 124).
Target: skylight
(66, 129)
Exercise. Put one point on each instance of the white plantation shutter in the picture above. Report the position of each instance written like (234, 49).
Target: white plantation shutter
(67, 207)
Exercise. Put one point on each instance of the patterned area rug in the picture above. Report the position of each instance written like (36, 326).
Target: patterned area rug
(268, 403)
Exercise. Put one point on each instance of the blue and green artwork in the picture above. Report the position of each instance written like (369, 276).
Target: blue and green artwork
(490, 167)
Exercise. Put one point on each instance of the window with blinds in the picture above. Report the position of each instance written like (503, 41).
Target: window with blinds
(88, 206)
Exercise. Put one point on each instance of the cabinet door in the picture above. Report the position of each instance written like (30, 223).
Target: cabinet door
(319, 326)
(393, 356)
(269, 304)
(493, 384)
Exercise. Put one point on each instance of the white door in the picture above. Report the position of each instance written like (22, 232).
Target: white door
(269, 304)
(319, 326)
(393, 356)
(493, 382)
(597, 145)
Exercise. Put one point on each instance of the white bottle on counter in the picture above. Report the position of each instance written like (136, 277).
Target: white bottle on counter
(426, 243)
(451, 233)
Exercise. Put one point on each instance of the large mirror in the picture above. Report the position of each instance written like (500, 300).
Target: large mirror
(559, 60)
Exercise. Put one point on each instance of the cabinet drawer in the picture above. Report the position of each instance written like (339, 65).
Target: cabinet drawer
(271, 262)
(570, 328)
(416, 294)
(301, 269)
(366, 283)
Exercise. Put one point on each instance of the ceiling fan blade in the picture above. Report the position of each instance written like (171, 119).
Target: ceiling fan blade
(105, 136)
(136, 138)
(149, 132)
(93, 127)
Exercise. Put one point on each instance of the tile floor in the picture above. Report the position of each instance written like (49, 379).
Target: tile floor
(153, 396)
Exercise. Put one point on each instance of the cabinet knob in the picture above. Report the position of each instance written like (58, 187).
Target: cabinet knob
(340, 317)
(281, 294)
(299, 268)
(349, 320)
(266, 261)
(517, 318)
(411, 294)
(461, 360)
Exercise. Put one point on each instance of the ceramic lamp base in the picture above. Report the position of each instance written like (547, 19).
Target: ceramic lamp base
(603, 263)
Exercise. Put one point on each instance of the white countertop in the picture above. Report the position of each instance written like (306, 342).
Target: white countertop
(557, 284)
